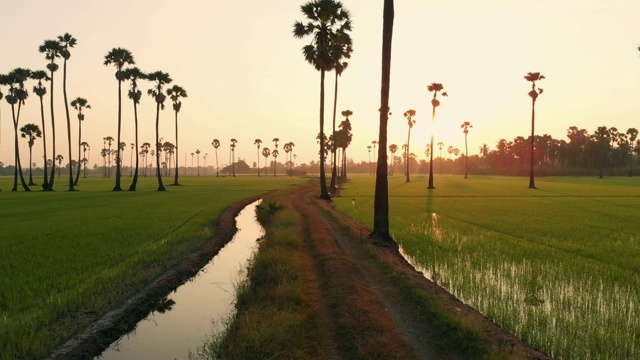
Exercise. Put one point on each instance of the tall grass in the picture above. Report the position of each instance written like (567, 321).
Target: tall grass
(68, 257)
(559, 266)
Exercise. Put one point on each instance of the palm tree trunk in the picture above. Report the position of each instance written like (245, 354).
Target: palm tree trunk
(324, 194)
(381, 200)
(175, 182)
(532, 184)
(335, 105)
(79, 151)
(407, 153)
(160, 185)
(30, 162)
(433, 117)
(118, 157)
(53, 139)
(45, 183)
(134, 183)
(466, 157)
(258, 161)
(217, 163)
(66, 109)
(18, 167)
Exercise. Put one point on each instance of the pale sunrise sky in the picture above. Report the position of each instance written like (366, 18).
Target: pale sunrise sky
(246, 78)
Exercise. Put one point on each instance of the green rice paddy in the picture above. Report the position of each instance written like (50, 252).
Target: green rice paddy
(68, 257)
(559, 266)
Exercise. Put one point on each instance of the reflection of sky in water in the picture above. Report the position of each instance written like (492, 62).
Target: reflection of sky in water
(209, 296)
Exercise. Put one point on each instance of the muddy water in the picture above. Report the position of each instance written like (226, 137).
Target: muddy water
(190, 313)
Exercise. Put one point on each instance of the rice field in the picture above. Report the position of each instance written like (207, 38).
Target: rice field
(68, 257)
(559, 266)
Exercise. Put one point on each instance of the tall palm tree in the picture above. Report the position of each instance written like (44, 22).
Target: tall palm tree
(393, 148)
(288, 148)
(345, 140)
(67, 41)
(30, 132)
(59, 159)
(41, 91)
(342, 49)
(176, 93)
(380, 231)
(369, 151)
(265, 152)
(258, 142)
(133, 151)
(233, 156)
(533, 77)
(52, 50)
(275, 154)
(409, 114)
(435, 88)
(328, 22)
(144, 150)
(119, 57)
(275, 141)
(465, 128)
(198, 153)
(79, 104)
(108, 140)
(17, 95)
(85, 146)
(440, 146)
(216, 145)
(160, 79)
(134, 74)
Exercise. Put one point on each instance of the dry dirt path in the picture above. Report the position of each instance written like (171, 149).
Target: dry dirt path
(362, 311)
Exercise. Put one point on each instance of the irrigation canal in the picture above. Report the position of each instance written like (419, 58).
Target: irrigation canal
(195, 309)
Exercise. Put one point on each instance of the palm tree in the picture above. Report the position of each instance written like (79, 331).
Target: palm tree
(119, 57)
(533, 77)
(275, 154)
(484, 150)
(258, 142)
(52, 50)
(393, 148)
(85, 146)
(17, 95)
(288, 149)
(275, 141)
(380, 231)
(79, 104)
(59, 158)
(216, 145)
(134, 74)
(409, 114)
(265, 152)
(435, 88)
(345, 138)
(450, 151)
(133, 151)
(440, 146)
(30, 132)
(633, 135)
(369, 151)
(465, 128)
(198, 153)
(160, 79)
(108, 140)
(67, 41)
(41, 91)
(328, 24)
(342, 49)
(176, 93)
(233, 156)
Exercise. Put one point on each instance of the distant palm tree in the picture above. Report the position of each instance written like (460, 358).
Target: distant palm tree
(435, 88)
(85, 146)
(176, 93)
(134, 74)
(52, 50)
(133, 151)
(59, 159)
(409, 114)
(369, 151)
(381, 231)
(30, 132)
(533, 77)
(484, 150)
(41, 91)
(216, 145)
(275, 154)
(633, 135)
(17, 95)
(328, 23)
(265, 152)
(393, 148)
(108, 140)
(345, 138)
(67, 41)
(198, 153)
(160, 79)
(79, 104)
(258, 142)
(119, 57)
(288, 148)
(233, 156)
(465, 128)
(450, 151)
(440, 146)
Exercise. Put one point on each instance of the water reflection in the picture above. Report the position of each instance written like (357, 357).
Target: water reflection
(181, 321)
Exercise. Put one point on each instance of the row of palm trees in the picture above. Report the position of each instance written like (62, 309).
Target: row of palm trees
(60, 47)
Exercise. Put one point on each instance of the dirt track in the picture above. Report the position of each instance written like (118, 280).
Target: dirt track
(362, 310)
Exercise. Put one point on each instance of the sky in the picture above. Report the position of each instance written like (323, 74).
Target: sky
(246, 77)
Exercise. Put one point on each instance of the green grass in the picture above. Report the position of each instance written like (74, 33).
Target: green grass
(68, 257)
(559, 266)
